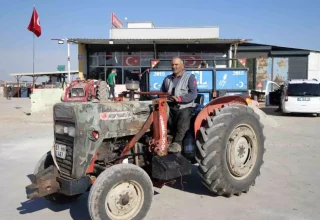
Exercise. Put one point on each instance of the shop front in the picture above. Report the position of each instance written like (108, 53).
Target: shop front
(132, 58)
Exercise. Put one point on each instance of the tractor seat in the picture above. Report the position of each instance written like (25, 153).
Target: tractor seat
(200, 99)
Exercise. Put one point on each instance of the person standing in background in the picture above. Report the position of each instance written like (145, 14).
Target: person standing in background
(112, 82)
(9, 92)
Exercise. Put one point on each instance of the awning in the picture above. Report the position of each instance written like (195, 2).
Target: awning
(156, 41)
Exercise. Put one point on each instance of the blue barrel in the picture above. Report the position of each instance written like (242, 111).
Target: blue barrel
(24, 92)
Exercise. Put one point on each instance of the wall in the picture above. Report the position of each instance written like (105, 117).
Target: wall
(164, 33)
(314, 66)
(281, 69)
(42, 100)
(271, 68)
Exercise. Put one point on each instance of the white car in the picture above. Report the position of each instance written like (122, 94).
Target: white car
(301, 96)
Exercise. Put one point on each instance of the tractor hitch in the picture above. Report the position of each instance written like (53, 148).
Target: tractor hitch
(43, 183)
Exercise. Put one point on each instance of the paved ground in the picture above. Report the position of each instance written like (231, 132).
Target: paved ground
(286, 189)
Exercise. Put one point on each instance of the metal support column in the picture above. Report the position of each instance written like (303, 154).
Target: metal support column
(230, 57)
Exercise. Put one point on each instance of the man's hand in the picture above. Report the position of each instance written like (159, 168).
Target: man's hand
(175, 98)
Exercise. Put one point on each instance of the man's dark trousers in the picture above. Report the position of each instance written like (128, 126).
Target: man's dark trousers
(179, 123)
(111, 91)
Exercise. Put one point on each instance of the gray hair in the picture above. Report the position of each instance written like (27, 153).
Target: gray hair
(178, 58)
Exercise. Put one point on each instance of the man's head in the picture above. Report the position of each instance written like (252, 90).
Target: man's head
(114, 70)
(203, 64)
(177, 66)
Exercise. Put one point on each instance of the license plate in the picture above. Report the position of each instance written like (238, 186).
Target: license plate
(303, 99)
(61, 150)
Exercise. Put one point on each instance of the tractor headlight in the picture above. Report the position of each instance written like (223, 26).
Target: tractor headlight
(60, 129)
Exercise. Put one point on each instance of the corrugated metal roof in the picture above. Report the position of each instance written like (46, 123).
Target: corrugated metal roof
(277, 47)
(157, 41)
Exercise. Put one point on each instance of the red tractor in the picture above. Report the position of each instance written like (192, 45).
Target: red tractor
(118, 151)
(86, 90)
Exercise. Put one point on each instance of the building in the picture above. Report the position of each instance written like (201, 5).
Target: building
(130, 50)
(278, 63)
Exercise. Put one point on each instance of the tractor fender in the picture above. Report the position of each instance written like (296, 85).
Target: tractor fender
(208, 109)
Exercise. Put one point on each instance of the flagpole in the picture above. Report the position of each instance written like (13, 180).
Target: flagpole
(33, 51)
(33, 63)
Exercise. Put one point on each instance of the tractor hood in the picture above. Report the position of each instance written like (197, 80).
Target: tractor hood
(75, 123)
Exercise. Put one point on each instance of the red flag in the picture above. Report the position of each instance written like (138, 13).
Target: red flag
(34, 25)
(154, 63)
(131, 60)
(242, 61)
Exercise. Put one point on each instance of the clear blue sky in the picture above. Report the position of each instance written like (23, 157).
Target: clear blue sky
(293, 23)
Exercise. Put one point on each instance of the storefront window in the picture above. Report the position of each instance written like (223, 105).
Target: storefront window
(169, 55)
(191, 60)
(131, 53)
(105, 59)
(93, 61)
(97, 73)
(102, 60)
(130, 65)
(146, 58)
(131, 73)
(165, 59)
(219, 59)
(117, 59)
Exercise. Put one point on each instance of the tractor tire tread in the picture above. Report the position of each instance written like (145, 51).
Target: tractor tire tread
(211, 150)
(102, 91)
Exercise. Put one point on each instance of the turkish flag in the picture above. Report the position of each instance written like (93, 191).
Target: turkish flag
(242, 61)
(131, 60)
(191, 61)
(34, 25)
(154, 63)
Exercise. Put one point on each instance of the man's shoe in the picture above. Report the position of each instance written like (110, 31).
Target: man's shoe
(174, 148)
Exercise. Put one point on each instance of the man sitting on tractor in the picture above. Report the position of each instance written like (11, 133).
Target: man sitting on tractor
(183, 88)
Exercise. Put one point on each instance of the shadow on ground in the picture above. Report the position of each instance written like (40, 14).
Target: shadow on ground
(272, 111)
(19, 108)
(78, 209)
(192, 184)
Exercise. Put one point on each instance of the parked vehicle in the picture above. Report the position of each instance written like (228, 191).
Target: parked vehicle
(262, 93)
(298, 96)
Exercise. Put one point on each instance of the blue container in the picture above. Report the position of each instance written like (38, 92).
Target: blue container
(24, 92)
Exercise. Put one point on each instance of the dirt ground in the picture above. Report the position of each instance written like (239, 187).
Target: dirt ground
(287, 188)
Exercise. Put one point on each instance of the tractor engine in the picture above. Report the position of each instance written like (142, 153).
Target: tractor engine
(94, 130)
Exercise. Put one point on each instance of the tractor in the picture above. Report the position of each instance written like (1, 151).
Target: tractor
(86, 90)
(117, 151)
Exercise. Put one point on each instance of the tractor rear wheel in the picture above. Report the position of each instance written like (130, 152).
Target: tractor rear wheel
(122, 191)
(230, 150)
(102, 91)
(57, 198)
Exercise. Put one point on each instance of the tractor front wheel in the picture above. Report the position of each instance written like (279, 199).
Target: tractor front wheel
(122, 191)
(230, 150)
